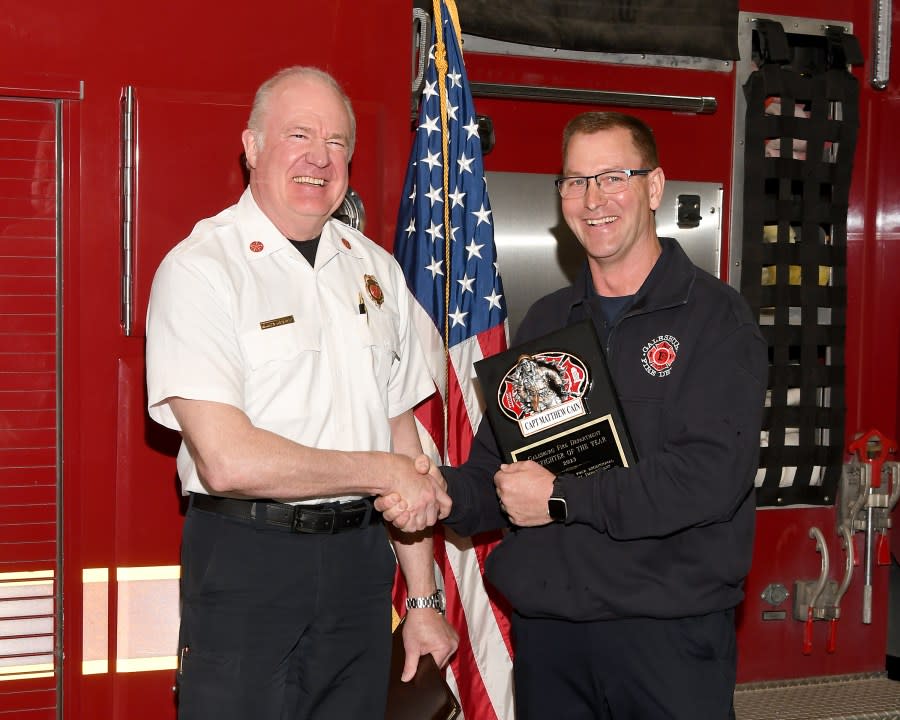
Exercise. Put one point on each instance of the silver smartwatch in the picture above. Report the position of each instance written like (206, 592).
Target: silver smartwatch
(435, 601)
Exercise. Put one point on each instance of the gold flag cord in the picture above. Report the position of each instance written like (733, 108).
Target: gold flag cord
(440, 61)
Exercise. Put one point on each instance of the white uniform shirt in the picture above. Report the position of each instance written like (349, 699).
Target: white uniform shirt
(238, 316)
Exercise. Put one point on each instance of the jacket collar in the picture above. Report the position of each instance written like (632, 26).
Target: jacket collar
(668, 284)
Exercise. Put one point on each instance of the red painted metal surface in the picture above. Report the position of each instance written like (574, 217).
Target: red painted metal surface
(121, 503)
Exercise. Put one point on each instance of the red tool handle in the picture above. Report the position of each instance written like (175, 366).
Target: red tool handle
(807, 632)
(831, 641)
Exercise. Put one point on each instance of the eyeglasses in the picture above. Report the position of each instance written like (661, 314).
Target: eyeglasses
(610, 182)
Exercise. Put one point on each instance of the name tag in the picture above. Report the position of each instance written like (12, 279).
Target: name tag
(266, 324)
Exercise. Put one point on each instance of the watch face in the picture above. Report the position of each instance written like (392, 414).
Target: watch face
(557, 509)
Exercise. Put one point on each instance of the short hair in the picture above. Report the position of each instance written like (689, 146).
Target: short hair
(256, 121)
(591, 122)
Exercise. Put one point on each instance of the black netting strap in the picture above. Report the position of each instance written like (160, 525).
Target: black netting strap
(800, 137)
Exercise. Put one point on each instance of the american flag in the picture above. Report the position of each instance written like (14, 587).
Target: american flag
(445, 244)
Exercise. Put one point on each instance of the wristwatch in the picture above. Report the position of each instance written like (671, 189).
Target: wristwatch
(556, 505)
(434, 601)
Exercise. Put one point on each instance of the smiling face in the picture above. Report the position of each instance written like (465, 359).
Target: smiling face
(299, 160)
(618, 230)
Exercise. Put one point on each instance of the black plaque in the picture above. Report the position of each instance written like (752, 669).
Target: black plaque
(552, 400)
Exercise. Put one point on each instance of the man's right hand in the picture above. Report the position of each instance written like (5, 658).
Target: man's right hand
(398, 507)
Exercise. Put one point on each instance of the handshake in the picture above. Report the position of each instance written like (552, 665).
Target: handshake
(417, 496)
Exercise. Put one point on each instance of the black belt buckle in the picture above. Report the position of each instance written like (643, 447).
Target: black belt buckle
(307, 520)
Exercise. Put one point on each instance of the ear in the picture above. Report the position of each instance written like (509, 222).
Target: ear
(656, 183)
(251, 149)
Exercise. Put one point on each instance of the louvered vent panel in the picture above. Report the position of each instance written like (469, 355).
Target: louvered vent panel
(28, 406)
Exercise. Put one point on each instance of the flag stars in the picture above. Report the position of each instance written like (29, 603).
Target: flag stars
(458, 317)
(493, 299)
(483, 215)
(457, 197)
(446, 217)
(466, 283)
(473, 249)
(432, 159)
(435, 231)
(435, 268)
(430, 125)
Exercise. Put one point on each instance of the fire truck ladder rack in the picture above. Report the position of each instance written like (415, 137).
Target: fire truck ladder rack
(867, 696)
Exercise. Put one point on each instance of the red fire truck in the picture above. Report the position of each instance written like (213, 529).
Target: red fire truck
(120, 128)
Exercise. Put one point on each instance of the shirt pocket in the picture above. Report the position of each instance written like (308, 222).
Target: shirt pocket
(276, 346)
(380, 344)
(281, 367)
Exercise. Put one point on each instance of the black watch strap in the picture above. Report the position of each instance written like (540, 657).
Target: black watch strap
(556, 505)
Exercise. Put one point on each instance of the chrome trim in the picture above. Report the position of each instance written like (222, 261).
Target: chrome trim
(128, 155)
(477, 44)
(677, 103)
(881, 43)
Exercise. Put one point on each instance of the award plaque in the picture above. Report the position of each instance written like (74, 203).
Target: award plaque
(552, 400)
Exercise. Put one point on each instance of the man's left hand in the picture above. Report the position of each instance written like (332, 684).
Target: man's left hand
(425, 632)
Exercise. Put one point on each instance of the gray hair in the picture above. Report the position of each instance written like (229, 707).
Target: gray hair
(260, 107)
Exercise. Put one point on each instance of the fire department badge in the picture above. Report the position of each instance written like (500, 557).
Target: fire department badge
(374, 289)
(659, 355)
(544, 390)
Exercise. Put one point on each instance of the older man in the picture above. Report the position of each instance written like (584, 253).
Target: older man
(280, 346)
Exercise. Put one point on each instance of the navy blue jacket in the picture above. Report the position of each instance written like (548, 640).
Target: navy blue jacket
(671, 536)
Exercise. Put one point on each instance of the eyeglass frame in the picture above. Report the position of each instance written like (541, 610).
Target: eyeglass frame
(628, 175)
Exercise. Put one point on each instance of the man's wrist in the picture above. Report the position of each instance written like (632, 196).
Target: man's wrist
(435, 601)
(557, 508)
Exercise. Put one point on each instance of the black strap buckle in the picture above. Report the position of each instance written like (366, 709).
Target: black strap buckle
(307, 520)
(336, 518)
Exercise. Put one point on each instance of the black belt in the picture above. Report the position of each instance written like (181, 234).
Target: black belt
(325, 518)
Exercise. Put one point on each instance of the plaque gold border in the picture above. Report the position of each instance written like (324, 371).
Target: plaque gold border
(571, 431)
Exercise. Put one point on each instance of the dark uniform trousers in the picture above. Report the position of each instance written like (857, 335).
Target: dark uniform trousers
(283, 626)
(631, 669)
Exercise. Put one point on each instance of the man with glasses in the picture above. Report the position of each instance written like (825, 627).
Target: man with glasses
(624, 582)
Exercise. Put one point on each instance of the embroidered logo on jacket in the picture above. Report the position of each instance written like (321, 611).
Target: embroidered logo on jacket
(659, 355)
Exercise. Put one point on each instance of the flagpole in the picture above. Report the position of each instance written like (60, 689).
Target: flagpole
(440, 61)
(447, 150)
